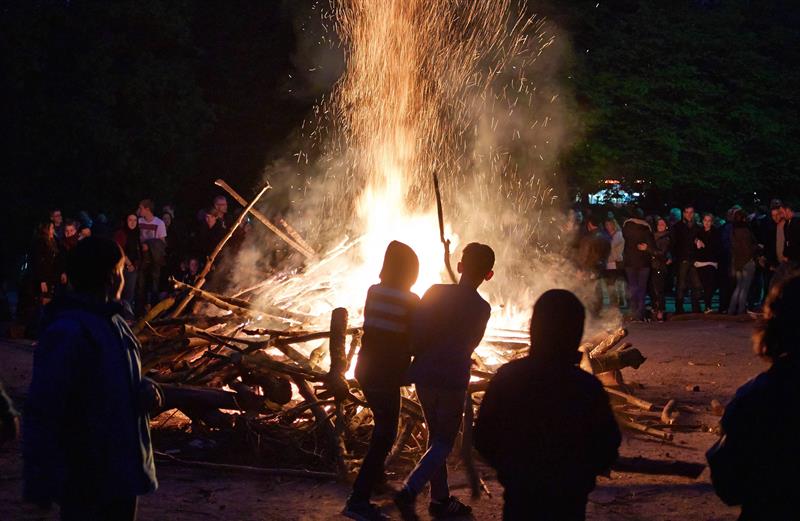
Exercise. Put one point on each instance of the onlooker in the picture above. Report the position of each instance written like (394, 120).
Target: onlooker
(659, 264)
(128, 238)
(447, 327)
(614, 275)
(58, 222)
(86, 434)
(743, 253)
(153, 236)
(41, 278)
(381, 368)
(755, 463)
(545, 424)
(683, 254)
(220, 211)
(788, 230)
(638, 248)
(707, 245)
(593, 251)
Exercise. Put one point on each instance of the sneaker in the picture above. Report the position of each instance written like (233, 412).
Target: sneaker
(364, 511)
(406, 503)
(451, 507)
(708, 311)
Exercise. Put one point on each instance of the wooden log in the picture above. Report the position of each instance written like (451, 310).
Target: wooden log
(201, 277)
(609, 342)
(638, 402)
(291, 473)
(153, 313)
(307, 253)
(617, 360)
(644, 429)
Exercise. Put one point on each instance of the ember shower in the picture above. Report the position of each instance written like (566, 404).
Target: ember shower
(430, 86)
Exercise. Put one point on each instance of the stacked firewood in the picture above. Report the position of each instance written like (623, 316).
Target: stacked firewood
(289, 385)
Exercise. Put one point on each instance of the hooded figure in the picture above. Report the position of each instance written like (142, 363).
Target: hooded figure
(545, 424)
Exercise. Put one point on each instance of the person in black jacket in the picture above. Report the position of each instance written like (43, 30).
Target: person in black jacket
(661, 260)
(683, 252)
(545, 424)
(708, 244)
(639, 246)
(743, 266)
(593, 250)
(380, 370)
(86, 430)
(755, 463)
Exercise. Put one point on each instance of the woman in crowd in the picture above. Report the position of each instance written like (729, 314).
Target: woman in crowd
(128, 239)
(614, 275)
(743, 265)
(41, 278)
(661, 259)
(707, 243)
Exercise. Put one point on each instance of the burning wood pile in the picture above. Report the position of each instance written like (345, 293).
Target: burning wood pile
(288, 390)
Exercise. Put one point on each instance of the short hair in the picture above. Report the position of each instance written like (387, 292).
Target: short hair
(220, 198)
(146, 203)
(477, 259)
(775, 204)
(557, 326)
(92, 263)
(593, 220)
(777, 335)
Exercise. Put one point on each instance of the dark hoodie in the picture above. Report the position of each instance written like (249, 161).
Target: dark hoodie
(86, 434)
(637, 231)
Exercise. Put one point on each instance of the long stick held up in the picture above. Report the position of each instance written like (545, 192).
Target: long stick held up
(445, 241)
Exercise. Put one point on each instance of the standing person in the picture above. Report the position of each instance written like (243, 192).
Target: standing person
(153, 236)
(593, 251)
(41, 278)
(707, 244)
(755, 463)
(743, 265)
(86, 434)
(659, 264)
(638, 248)
(683, 252)
(128, 238)
(381, 368)
(789, 259)
(58, 222)
(545, 425)
(9, 418)
(614, 274)
(447, 327)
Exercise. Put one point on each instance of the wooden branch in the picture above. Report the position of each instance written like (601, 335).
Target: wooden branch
(201, 277)
(609, 342)
(638, 402)
(292, 473)
(307, 253)
(445, 241)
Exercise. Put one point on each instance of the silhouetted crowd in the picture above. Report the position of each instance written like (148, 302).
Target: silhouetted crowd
(157, 247)
(723, 264)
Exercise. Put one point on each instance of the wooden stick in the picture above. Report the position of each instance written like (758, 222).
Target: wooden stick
(638, 402)
(153, 313)
(263, 218)
(445, 242)
(201, 277)
(609, 342)
(293, 473)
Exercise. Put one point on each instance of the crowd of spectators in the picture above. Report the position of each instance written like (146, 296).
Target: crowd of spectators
(724, 264)
(157, 247)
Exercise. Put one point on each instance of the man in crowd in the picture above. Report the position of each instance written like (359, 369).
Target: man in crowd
(593, 250)
(220, 211)
(787, 244)
(545, 424)
(153, 234)
(683, 253)
(447, 327)
(58, 223)
(86, 434)
(639, 246)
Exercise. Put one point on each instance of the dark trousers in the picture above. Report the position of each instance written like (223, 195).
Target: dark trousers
(524, 506)
(688, 278)
(443, 409)
(726, 282)
(708, 279)
(637, 289)
(385, 406)
(658, 288)
(117, 509)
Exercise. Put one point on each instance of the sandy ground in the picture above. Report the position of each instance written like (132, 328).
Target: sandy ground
(710, 355)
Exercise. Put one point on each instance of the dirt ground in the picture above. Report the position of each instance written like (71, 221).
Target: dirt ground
(692, 361)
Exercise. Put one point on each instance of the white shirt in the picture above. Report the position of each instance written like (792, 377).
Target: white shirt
(155, 229)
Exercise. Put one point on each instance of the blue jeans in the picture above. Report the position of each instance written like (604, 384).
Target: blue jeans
(744, 277)
(443, 409)
(637, 286)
